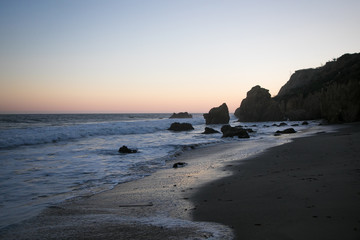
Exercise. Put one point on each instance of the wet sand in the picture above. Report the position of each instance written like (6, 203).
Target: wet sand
(155, 207)
(307, 189)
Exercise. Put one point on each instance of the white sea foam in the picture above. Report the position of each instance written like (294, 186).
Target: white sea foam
(15, 137)
(108, 225)
(201, 230)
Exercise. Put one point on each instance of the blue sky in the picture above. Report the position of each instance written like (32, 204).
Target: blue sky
(162, 56)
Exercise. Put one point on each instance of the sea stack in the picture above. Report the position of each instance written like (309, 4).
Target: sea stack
(218, 115)
(258, 106)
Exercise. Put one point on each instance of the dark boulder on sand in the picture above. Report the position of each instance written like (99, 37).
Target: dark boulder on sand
(179, 164)
(125, 149)
(181, 115)
(218, 115)
(210, 131)
(229, 131)
(178, 127)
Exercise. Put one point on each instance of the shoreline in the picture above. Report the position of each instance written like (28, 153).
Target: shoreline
(161, 205)
(48, 174)
(306, 189)
(154, 207)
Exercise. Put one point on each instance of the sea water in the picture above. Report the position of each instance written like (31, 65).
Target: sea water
(48, 158)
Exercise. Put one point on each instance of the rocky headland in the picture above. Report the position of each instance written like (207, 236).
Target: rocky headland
(330, 92)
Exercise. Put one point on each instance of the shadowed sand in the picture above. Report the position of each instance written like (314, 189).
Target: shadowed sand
(307, 189)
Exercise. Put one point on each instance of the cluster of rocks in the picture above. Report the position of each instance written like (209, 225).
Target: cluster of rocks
(216, 115)
(238, 131)
(220, 115)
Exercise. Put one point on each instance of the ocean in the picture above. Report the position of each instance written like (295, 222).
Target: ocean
(48, 158)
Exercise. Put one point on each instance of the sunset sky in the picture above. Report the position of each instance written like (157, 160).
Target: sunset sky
(69, 56)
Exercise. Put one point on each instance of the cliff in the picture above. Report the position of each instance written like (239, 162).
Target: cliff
(331, 92)
(258, 106)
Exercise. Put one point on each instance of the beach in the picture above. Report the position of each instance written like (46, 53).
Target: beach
(180, 120)
(305, 189)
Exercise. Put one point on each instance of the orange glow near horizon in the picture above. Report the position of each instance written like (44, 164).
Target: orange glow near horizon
(106, 101)
(167, 56)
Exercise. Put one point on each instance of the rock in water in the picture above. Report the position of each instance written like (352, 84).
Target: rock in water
(210, 131)
(177, 127)
(218, 115)
(229, 131)
(181, 115)
(286, 131)
(125, 149)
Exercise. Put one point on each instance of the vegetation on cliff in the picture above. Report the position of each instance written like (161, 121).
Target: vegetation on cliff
(331, 92)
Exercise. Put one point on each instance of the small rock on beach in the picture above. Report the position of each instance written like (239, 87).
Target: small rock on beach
(179, 164)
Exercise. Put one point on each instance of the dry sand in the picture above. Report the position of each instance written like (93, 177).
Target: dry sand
(307, 189)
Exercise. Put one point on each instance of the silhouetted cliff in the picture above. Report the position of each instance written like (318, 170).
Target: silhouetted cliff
(258, 106)
(331, 92)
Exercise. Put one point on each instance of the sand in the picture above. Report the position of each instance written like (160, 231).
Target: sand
(155, 207)
(306, 189)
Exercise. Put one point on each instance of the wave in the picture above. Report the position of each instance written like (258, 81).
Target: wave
(50, 134)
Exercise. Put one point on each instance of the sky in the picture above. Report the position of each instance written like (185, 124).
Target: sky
(129, 56)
